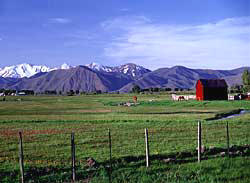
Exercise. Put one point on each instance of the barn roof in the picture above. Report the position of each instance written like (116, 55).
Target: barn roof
(214, 83)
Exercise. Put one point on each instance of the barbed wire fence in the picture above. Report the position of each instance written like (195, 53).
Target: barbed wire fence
(76, 157)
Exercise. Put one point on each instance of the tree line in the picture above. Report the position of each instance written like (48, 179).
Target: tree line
(244, 88)
(137, 89)
(10, 92)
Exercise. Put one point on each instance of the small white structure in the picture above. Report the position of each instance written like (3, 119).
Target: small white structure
(230, 97)
(186, 97)
(2, 94)
(193, 97)
(21, 93)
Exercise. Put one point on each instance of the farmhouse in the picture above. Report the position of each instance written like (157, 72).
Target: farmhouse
(211, 89)
(21, 93)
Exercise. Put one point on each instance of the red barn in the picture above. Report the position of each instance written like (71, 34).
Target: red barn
(211, 89)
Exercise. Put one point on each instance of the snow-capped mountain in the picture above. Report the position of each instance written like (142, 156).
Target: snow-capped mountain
(65, 66)
(27, 70)
(22, 70)
(130, 69)
(99, 67)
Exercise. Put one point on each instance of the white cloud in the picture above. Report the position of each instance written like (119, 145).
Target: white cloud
(60, 20)
(221, 45)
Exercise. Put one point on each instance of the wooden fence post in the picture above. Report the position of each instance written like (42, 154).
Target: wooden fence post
(147, 147)
(110, 156)
(199, 141)
(73, 156)
(228, 148)
(21, 156)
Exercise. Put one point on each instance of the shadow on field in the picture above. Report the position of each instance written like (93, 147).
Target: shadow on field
(86, 173)
(188, 156)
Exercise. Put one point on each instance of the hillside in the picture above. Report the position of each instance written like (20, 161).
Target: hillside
(79, 78)
(182, 77)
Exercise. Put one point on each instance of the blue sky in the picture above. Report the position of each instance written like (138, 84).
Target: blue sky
(152, 33)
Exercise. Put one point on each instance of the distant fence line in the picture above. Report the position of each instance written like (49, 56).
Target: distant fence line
(109, 138)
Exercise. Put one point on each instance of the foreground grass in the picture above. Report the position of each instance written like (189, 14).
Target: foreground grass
(47, 123)
(212, 170)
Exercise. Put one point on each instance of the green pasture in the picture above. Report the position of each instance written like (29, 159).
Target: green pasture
(47, 123)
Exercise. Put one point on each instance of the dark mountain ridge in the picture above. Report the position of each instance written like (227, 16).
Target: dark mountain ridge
(183, 77)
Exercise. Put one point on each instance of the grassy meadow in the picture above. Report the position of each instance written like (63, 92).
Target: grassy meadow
(47, 123)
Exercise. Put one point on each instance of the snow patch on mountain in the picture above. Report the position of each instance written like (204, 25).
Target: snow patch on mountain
(129, 69)
(27, 70)
(94, 66)
(65, 66)
(99, 67)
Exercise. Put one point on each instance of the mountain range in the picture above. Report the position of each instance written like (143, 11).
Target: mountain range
(28, 70)
(93, 77)
(183, 77)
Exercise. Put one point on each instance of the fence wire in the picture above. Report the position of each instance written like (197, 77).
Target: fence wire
(49, 149)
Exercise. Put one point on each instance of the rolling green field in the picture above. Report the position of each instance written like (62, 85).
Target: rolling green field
(47, 123)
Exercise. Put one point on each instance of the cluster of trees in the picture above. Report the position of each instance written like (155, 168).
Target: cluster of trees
(246, 81)
(69, 93)
(246, 84)
(27, 92)
(137, 89)
(10, 92)
(50, 92)
(77, 92)
(236, 89)
(7, 92)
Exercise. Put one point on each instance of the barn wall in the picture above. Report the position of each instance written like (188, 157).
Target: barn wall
(199, 91)
(215, 94)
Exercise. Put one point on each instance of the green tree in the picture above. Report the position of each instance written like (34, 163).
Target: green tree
(246, 81)
(136, 89)
(77, 92)
(98, 91)
(70, 93)
(236, 88)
